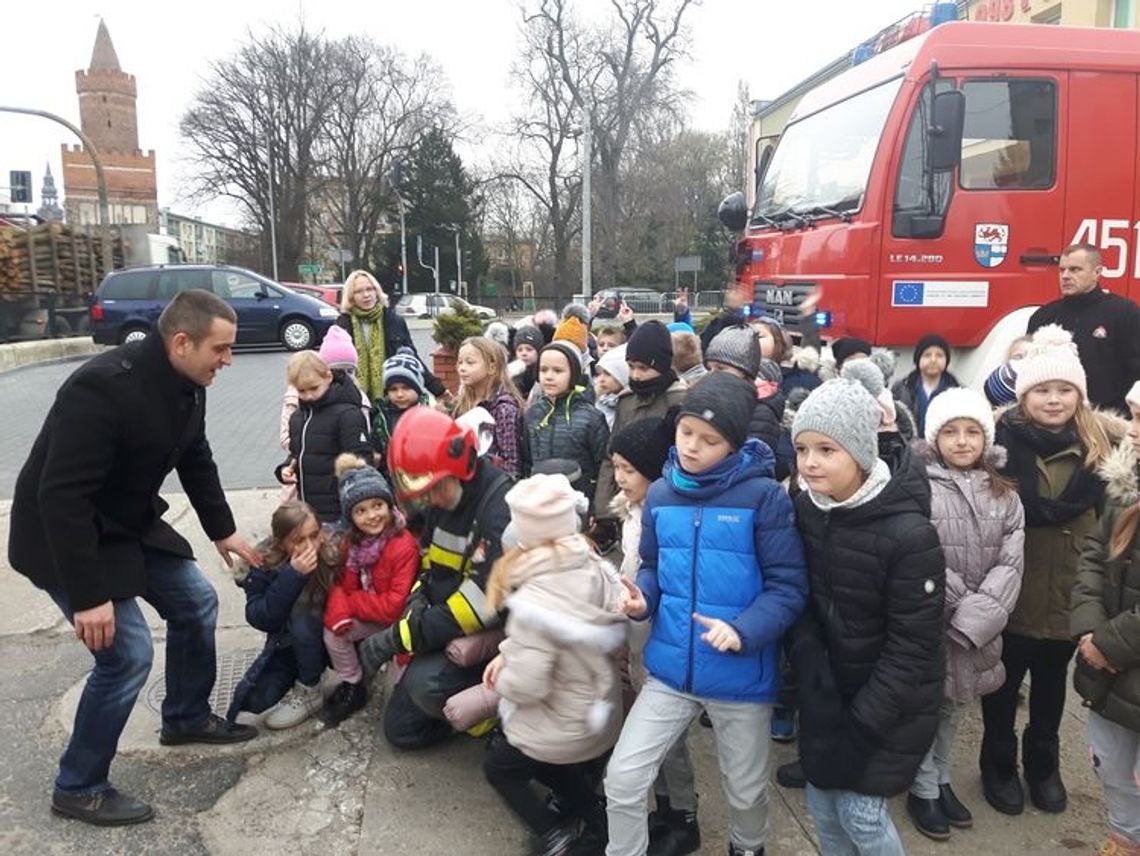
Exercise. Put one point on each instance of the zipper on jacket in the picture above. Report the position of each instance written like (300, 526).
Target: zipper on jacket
(697, 511)
(827, 572)
(301, 457)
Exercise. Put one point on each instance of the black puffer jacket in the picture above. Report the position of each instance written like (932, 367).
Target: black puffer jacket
(569, 427)
(318, 432)
(765, 426)
(868, 650)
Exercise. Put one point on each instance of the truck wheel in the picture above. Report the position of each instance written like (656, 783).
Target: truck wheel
(132, 333)
(62, 326)
(296, 334)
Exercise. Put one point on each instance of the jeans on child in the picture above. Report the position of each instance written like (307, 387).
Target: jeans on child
(851, 824)
(658, 717)
(935, 767)
(1116, 758)
(177, 589)
(342, 649)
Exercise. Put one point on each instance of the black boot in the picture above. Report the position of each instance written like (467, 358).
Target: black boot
(684, 835)
(957, 815)
(346, 700)
(928, 817)
(1043, 772)
(659, 819)
(791, 775)
(1001, 785)
(557, 841)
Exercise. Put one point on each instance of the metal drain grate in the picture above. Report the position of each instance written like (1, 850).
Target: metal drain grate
(232, 665)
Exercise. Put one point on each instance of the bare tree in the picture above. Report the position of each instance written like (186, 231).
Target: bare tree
(254, 126)
(739, 131)
(623, 74)
(386, 105)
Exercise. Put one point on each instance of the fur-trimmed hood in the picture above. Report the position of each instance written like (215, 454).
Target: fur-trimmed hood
(806, 358)
(1115, 425)
(995, 456)
(1119, 471)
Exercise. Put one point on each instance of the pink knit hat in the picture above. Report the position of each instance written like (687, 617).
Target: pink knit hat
(337, 349)
(1051, 356)
(544, 508)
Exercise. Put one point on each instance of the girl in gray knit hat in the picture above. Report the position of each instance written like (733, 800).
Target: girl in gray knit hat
(868, 650)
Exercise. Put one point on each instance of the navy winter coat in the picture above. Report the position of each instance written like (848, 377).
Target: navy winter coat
(569, 427)
(723, 544)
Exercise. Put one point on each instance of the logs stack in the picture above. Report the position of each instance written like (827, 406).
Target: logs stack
(53, 256)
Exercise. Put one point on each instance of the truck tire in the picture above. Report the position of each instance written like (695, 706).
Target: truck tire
(62, 326)
(132, 333)
(296, 334)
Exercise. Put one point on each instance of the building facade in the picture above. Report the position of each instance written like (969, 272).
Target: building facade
(208, 243)
(109, 119)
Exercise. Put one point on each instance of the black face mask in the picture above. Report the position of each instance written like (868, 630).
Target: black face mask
(654, 386)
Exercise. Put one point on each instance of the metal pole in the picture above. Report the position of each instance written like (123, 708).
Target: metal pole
(435, 270)
(272, 200)
(458, 264)
(100, 177)
(403, 243)
(587, 160)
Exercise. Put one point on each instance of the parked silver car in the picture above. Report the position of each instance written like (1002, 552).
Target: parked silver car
(430, 305)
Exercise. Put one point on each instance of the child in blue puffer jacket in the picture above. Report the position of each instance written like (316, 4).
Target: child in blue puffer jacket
(723, 577)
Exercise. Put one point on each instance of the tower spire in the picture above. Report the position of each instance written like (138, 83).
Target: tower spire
(103, 56)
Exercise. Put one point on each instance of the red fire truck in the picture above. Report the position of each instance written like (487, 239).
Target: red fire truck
(932, 187)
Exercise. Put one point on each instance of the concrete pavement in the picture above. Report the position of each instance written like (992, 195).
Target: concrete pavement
(312, 790)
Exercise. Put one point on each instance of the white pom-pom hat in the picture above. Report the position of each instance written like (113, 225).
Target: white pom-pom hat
(1051, 356)
(958, 403)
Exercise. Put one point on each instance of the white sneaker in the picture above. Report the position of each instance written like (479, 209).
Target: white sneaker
(299, 704)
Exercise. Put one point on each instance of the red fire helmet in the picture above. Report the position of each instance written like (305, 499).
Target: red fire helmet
(427, 447)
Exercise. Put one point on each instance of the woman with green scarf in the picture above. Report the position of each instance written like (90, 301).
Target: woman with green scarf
(376, 332)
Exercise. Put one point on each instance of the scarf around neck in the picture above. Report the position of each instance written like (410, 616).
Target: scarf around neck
(364, 555)
(877, 479)
(656, 386)
(1030, 442)
(369, 348)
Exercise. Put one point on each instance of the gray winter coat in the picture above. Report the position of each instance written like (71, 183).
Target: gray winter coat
(983, 539)
(1106, 601)
(572, 428)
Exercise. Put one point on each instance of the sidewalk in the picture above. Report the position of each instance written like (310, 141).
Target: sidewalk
(14, 355)
(345, 791)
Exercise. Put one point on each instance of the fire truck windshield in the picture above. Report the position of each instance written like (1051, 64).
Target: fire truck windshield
(822, 162)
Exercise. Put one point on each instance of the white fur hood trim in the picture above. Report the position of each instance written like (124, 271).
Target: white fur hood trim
(1119, 473)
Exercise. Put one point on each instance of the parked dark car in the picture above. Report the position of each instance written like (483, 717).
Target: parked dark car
(128, 302)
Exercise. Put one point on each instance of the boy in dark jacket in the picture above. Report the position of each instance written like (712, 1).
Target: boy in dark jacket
(564, 423)
(868, 649)
(403, 390)
(722, 578)
(929, 378)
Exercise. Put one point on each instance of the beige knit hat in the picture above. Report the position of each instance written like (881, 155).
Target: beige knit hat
(544, 508)
(1051, 356)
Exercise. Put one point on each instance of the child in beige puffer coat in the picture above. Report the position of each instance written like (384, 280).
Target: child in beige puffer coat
(981, 525)
(557, 671)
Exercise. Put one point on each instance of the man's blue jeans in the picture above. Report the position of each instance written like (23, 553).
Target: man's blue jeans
(177, 589)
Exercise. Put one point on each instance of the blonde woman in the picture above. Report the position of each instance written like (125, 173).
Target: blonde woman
(377, 333)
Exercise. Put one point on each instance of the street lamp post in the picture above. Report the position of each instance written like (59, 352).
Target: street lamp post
(100, 177)
(453, 227)
(587, 160)
(403, 241)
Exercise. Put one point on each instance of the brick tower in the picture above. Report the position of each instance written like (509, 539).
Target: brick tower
(108, 117)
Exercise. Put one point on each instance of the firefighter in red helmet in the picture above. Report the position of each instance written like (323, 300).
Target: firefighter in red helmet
(434, 464)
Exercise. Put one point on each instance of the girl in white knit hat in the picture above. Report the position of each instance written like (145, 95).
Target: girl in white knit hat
(557, 670)
(981, 525)
(1055, 443)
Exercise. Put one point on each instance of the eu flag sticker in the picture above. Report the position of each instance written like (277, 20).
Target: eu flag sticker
(908, 293)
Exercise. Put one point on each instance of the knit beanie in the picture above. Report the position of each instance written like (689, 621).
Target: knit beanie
(931, 340)
(572, 330)
(1051, 356)
(613, 363)
(958, 403)
(769, 371)
(645, 442)
(528, 334)
(679, 327)
(404, 367)
(543, 508)
(868, 373)
(1001, 385)
(737, 347)
(725, 402)
(843, 348)
(573, 357)
(498, 331)
(651, 344)
(845, 411)
(1133, 397)
(576, 310)
(337, 349)
(356, 482)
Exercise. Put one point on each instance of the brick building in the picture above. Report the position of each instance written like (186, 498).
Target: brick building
(109, 118)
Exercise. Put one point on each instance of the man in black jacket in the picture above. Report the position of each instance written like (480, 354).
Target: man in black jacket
(1105, 326)
(87, 528)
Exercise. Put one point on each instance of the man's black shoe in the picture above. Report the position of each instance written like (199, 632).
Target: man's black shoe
(791, 775)
(957, 815)
(346, 700)
(213, 730)
(928, 817)
(106, 808)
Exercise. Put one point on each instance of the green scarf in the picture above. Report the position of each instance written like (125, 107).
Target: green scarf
(369, 351)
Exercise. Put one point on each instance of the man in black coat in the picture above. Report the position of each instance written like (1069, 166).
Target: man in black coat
(1105, 327)
(87, 528)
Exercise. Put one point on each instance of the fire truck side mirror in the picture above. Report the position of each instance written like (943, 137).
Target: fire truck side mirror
(945, 130)
(733, 212)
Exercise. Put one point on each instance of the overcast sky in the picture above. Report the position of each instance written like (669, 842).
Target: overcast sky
(770, 44)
